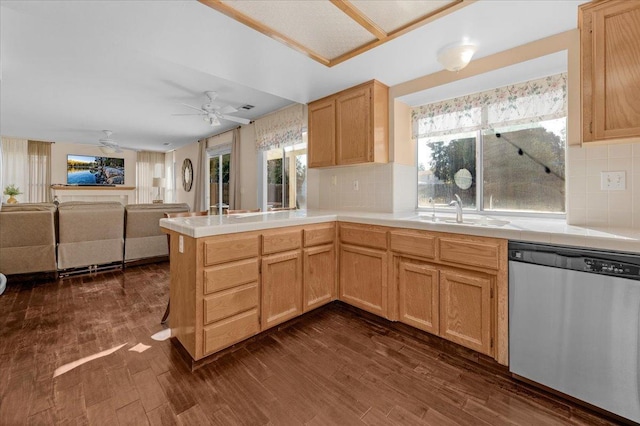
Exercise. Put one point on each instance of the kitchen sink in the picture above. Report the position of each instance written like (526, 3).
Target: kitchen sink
(468, 221)
(482, 221)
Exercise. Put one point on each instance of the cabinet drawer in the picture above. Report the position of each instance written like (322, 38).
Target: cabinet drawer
(364, 235)
(319, 236)
(226, 249)
(413, 243)
(229, 331)
(231, 302)
(229, 275)
(281, 241)
(473, 253)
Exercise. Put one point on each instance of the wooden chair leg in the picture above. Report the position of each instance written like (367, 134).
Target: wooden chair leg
(165, 317)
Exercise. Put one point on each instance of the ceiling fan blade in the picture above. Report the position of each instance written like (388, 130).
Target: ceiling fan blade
(227, 110)
(235, 119)
(202, 113)
(192, 107)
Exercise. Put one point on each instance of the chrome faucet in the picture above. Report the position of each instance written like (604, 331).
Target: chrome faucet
(458, 204)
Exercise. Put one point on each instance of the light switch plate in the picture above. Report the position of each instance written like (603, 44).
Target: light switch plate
(613, 181)
(181, 244)
(356, 185)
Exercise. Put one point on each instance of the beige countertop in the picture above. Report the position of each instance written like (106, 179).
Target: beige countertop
(541, 230)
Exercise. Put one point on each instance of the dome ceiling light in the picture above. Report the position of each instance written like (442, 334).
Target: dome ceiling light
(455, 57)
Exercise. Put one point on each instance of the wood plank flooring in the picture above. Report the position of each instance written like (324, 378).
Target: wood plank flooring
(332, 366)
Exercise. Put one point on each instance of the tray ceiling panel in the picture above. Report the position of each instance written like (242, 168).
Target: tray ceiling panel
(392, 15)
(333, 31)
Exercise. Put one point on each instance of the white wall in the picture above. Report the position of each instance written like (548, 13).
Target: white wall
(248, 168)
(60, 150)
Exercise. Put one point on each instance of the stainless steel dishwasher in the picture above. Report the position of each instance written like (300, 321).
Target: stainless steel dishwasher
(574, 323)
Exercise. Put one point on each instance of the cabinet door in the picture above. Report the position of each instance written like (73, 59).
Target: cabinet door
(281, 288)
(322, 133)
(353, 127)
(465, 309)
(611, 67)
(319, 276)
(363, 278)
(418, 295)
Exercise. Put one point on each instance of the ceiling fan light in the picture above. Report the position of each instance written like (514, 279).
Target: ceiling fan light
(456, 56)
(107, 150)
(214, 121)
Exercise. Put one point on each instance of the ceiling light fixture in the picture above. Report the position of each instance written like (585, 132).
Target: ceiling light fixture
(456, 56)
(212, 119)
(107, 150)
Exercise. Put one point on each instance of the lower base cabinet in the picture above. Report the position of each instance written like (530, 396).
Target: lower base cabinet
(453, 304)
(281, 288)
(466, 309)
(363, 278)
(319, 276)
(227, 288)
(419, 295)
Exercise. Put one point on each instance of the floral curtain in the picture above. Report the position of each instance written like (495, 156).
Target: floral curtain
(531, 101)
(280, 129)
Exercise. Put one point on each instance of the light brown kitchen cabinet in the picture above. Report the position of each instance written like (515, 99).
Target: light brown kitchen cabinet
(610, 69)
(419, 295)
(363, 278)
(363, 267)
(281, 288)
(454, 286)
(319, 265)
(214, 291)
(319, 276)
(322, 130)
(466, 309)
(350, 127)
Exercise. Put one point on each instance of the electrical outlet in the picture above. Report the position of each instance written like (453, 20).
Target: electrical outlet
(613, 181)
(356, 185)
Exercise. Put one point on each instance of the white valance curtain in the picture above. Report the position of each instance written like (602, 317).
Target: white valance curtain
(148, 165)
(280, 129)
(531, 101)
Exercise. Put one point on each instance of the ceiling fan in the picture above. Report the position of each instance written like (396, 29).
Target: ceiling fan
(108, 145)
(213, 113)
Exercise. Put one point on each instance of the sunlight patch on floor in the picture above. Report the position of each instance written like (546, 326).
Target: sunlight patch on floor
(162, 335)
(140, 347)
(70, 366)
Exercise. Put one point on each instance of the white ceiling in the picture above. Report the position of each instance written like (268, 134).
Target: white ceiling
(70, 69)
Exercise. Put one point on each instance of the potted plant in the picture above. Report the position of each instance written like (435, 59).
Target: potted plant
(12, 191)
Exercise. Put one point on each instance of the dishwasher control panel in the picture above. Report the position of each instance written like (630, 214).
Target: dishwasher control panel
(601, 262)
(611, 268)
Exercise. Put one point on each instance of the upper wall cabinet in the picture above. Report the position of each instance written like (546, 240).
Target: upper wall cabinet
(610, 51)
(350, 127)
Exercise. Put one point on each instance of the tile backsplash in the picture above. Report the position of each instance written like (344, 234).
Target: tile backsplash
(587, 203)
(382, 188)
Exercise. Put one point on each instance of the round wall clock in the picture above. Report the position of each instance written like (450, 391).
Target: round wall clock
(187, 174)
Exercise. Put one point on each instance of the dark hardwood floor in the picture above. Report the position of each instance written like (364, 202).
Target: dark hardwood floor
(332, 366)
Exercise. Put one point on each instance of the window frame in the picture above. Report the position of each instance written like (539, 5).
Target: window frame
(479, 209)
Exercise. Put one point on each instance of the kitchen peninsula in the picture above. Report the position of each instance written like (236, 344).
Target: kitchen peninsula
(235, 276)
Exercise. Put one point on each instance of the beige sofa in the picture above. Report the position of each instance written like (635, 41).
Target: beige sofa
(90, 233)
(27, 238)
(143, 238)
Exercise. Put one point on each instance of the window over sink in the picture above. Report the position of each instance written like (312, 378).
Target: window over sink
(499, 150)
